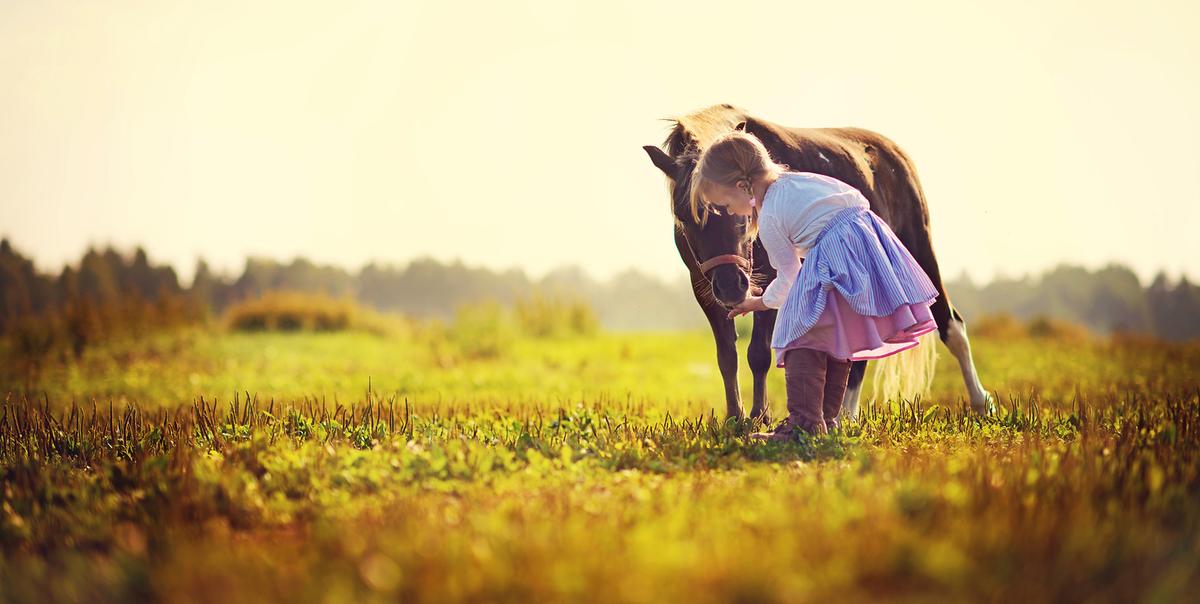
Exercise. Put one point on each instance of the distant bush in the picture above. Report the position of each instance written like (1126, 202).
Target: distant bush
(1132, 340)
(488, 330)
(1001, 326)
(385, 323)
(296, 311)
(998, 326)
(482, 330)
(82, 322)
(1058, 329)
(543, 316)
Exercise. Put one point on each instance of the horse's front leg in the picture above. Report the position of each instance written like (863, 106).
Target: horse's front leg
(758, 355)
(726, 339)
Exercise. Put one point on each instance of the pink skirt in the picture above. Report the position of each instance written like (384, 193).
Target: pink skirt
(847, 335)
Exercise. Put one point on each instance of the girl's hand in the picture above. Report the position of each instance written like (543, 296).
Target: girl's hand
(750, 304)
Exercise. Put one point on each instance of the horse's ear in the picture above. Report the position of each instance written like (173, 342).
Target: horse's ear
(740, 126)
(662, 160)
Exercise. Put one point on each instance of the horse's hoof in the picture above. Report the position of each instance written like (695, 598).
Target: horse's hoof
(988, 407)
(761, 416)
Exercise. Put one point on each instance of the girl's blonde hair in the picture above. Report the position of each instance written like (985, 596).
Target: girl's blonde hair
(731, 157)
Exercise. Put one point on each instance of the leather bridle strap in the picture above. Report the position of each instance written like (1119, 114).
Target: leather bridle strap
(708, 265)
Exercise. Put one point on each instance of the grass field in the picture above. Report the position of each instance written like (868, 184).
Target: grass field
(206, 466)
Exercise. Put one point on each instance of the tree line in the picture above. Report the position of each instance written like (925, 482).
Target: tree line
(107, 290)
(1107, 300)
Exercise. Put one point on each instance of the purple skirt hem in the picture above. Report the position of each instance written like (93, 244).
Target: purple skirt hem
(847, 335)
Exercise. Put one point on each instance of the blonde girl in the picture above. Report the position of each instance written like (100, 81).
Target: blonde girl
(860, 294)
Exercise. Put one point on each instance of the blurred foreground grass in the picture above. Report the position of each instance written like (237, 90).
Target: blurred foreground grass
(587, 469)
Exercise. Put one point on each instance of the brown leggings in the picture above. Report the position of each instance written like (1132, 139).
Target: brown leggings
(816, 383)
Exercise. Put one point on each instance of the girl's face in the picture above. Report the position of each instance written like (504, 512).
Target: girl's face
(732, 200)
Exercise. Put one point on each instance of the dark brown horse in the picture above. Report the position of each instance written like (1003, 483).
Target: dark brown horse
(719, 264)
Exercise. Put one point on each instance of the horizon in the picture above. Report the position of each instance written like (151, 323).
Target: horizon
(235, 272)
(337, 133)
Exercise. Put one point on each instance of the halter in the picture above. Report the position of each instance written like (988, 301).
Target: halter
(744, 263)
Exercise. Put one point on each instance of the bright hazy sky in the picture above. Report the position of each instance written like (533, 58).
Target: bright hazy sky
(509, 133)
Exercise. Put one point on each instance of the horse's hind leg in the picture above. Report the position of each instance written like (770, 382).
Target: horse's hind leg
(951, 328)
(954, 335)
(858, 370)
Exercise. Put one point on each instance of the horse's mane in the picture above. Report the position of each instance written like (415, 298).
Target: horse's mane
(693, 132)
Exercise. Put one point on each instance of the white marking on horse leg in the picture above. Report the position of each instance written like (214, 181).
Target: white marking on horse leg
(850, 401)
(960, 346)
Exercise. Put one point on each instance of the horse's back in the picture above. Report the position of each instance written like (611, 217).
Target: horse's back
(866, 160)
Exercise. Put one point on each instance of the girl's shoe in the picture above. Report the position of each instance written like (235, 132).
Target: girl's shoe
(783, 431)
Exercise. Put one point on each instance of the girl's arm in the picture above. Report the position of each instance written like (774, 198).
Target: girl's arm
(782, 255)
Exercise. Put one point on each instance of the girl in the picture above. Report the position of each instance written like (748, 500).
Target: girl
(861, 294)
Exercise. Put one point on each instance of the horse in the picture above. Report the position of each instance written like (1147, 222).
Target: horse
(724, 270)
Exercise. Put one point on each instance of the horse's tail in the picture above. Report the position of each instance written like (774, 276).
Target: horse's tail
(907, 374)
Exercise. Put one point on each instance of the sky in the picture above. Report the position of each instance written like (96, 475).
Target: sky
(510, 134)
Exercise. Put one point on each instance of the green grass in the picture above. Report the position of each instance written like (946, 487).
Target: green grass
(588, 468)
(673, 372)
